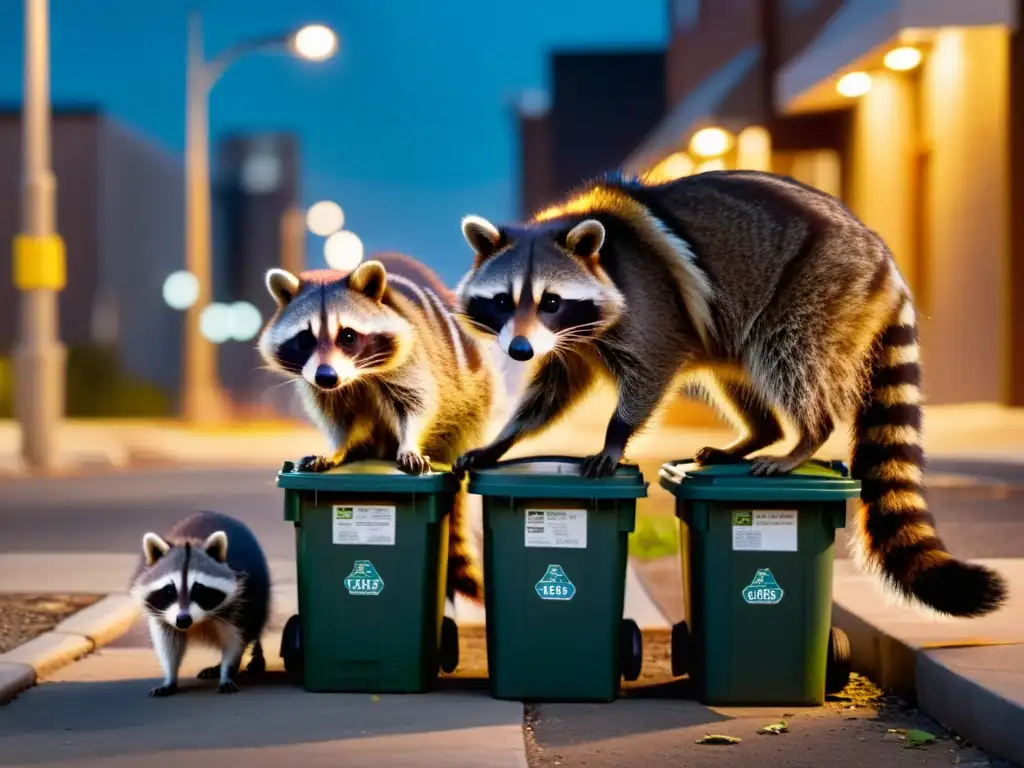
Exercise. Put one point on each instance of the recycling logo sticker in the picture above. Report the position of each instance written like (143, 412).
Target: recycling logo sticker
(764, 589)
(555, 585)
(364, 579)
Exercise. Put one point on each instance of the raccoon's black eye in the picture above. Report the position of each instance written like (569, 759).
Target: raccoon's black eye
(305, 340)
(503, 301)
(347, 337)
(162, 599)
(206, 597)
(550, 302)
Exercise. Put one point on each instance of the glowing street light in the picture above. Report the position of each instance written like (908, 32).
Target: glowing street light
(325, 218)
(181, 290)
(314, 42)
(245, 321)
(710, 142)
(343, 251)
(854, 84)
(902, 59)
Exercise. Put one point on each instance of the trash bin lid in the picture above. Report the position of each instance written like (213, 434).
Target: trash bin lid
(371, 475)
(555, 477)
(814, 480)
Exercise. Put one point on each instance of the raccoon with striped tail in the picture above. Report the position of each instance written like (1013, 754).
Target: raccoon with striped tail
(386, 373)
(768, 294)
(207, 581)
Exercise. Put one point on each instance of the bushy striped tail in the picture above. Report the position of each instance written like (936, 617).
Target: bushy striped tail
(464, 575)
(895, 532)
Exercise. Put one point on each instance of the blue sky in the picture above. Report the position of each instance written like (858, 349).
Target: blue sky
(408, 128)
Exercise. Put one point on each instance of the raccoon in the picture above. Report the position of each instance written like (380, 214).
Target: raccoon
(385, 372)
(766, 294)
(206, 581)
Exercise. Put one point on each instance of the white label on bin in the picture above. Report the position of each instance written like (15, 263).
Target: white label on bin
(764, 530)
(364, 525)
(559, 528)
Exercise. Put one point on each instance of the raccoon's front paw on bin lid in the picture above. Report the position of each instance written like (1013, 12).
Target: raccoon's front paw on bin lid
(312, 464)
(413, 463)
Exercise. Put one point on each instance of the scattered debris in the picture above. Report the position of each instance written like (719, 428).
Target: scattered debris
(715, 738)
(374, 698)
(775, 728)
(912, 737)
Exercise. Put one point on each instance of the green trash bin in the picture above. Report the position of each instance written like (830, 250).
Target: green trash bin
(555, 554)
(371, 545)
(757, 557)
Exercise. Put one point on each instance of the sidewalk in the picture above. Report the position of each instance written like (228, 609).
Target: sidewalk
(974, 432)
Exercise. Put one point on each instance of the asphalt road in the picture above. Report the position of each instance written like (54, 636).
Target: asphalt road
(979, 515)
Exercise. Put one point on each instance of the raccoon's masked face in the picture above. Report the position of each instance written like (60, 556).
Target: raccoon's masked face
(539, 288)
(330, 329)
(183, 585)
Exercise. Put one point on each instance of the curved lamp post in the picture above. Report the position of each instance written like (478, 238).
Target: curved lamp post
(200, 388)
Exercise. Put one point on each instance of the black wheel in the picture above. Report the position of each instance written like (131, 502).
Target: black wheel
(449, 651)
(682, 649)
(291, 649)
(837, 664)
(631, 650)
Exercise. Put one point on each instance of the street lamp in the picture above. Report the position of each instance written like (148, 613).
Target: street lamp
(200, 389)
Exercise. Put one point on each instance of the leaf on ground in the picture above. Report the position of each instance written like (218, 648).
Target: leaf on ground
(375, 698)
(716, 738)
(775, 728)
(916, 738)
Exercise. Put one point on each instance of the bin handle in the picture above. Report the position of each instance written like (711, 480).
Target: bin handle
(548, 457)
(672, 468)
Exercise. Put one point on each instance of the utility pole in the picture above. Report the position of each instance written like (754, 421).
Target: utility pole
(39, 266)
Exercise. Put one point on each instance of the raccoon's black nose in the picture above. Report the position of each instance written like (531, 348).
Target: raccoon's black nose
(184, 621)
(326, 377)
(519, 349)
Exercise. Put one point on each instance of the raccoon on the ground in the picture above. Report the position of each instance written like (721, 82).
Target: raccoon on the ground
(766, 294)
(386, 373)
(206, 581)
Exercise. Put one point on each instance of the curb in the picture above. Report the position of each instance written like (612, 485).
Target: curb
(964, 685)
(75, 637)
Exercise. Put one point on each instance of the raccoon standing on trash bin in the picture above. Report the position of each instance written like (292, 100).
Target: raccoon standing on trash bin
(207, 581)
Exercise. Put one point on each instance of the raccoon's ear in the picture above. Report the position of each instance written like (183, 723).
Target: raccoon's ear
(216, 546)
(482, 236)
(370, 279)
(585, 239)
(283, 286)
(153, 547)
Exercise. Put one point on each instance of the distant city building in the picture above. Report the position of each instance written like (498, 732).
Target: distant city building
(257, 226)
(601, 105)
(120, 211)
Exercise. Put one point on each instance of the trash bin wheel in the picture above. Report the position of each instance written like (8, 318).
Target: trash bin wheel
(291, 649)
(682, 649)
(449, 651)
(837, 665)
(631, 650)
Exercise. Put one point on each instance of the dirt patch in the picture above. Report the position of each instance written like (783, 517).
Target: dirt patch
(25, 617)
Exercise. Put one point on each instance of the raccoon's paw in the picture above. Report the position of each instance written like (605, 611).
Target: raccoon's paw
(413, 463)
(314, 464)
(228, 686)
(210, 673)
(601, 464)
(257, 666)
(168, 689)
(773, 465)
(708, 456)
(478, 458)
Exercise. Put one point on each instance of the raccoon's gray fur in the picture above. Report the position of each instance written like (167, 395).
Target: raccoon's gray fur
(386, 373)
(769, 293)
(206, 581)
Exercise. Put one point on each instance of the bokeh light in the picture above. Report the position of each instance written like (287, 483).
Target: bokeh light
(325, 218)
(215, 323)
(343, 251)
(181, 290)
(246, 321)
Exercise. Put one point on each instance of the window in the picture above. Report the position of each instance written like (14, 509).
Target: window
(685, 13)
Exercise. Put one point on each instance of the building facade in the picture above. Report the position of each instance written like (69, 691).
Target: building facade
(120, 211)
(601, 104)
(903, 108)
